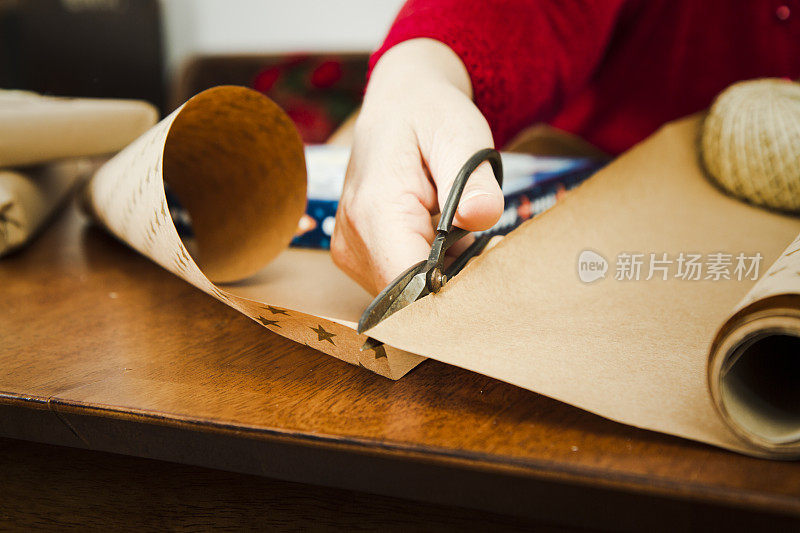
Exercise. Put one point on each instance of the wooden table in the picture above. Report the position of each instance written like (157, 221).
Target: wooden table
(97, 352)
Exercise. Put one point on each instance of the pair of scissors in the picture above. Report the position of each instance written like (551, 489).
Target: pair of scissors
(430, 275)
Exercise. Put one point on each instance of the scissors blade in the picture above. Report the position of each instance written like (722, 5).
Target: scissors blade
(406, 288)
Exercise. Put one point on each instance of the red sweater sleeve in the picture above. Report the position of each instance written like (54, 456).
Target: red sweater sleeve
(524, 57)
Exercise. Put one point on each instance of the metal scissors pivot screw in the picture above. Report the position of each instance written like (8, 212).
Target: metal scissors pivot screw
(430, 275)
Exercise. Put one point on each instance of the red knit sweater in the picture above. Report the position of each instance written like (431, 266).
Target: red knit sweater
(610, 71)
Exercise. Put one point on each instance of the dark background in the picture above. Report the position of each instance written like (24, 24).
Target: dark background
(102, 48)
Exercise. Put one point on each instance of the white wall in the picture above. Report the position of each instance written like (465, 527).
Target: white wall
(242, 26)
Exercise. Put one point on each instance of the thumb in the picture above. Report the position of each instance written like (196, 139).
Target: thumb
(456, 140)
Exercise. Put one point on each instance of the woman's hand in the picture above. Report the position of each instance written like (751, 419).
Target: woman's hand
(416, 129)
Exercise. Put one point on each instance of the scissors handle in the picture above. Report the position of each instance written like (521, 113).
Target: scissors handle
(451, 204)
(446, 233)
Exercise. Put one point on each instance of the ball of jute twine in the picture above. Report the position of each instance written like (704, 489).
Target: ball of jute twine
(751, 142)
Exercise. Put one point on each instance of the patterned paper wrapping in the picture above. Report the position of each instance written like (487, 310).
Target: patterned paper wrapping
(754, 388)
(236, 162)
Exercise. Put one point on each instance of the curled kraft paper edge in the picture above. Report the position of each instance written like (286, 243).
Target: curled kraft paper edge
(237, 163)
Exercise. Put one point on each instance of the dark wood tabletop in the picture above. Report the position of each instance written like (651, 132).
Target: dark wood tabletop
(97, 351)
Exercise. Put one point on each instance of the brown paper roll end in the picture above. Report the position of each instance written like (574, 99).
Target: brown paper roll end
(754, 377)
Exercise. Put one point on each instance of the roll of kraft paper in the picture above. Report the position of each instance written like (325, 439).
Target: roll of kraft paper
(29, 197)
(36, 129)
(754, 367)
(48, 131)
(750, 144)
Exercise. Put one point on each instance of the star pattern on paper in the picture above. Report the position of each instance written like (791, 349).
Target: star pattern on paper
(277, 311)
(323, 335)
(267, 322)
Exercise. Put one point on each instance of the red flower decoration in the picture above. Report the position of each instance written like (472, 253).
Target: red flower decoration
(326, 74)
(266, 79)
(311, 120)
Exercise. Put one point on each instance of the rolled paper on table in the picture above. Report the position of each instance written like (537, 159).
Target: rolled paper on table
(30, 196)
(751, 148)
(754, 366)
(36, 129)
